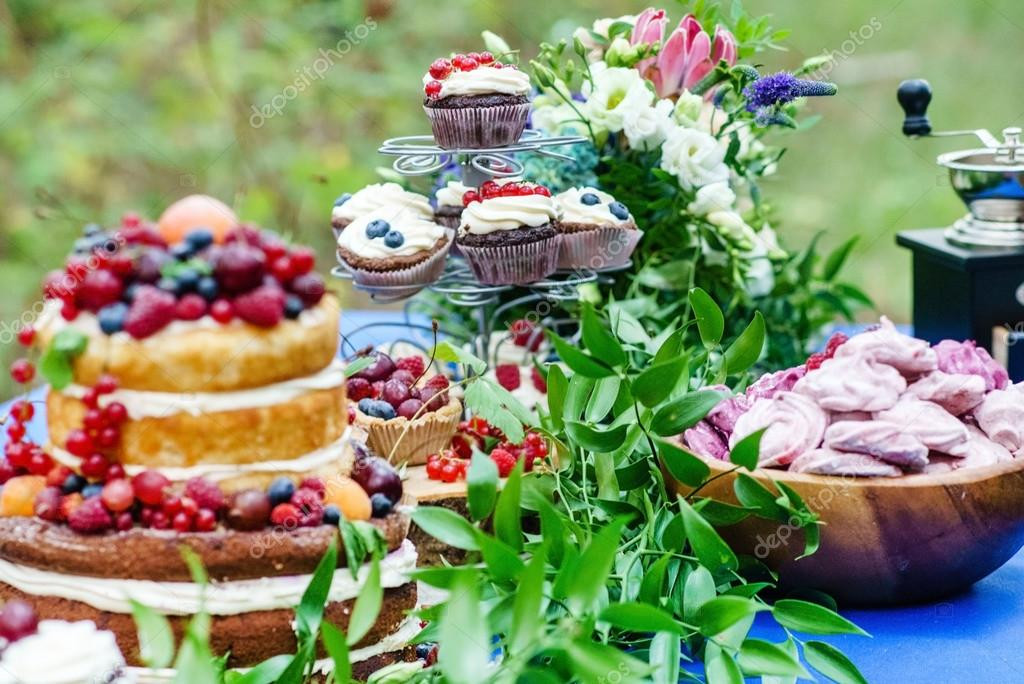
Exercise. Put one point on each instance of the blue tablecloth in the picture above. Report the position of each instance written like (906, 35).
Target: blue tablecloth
(976, 637)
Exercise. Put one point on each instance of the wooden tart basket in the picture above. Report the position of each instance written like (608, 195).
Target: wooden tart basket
(886, 541)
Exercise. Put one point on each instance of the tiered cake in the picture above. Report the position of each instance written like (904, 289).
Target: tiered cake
(196, 401)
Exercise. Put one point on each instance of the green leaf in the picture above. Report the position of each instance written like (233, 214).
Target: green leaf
(440, 576)
(834, 262)
(720, 613)
(495, 44)
(496, 404)
(311, 607)
(558, 386)
(803, 616)
(267, 672)
(360, 540)
(748, 450)
(664, 657)
(698, 589)
(526, 608)
(708, 546)
(367, 606)
(507, 517)
(721, 514)
(195, 565)
(577, 396)
(603, 398)
(358, 364)
(759, 657)
(639, 617)
(746, 349)
(653, 581)
(720, 668)
(681, 464)
(595, 663)
(833, 663)
(481, 485)
(464, 624)
(710, 321)
(195, 663)
(586, 581)
(683, 413)
(502, 560)
(156, 640)
(599, 340)
(337, 648)
(755, 495)
(656, 383)
(672, 347)
(582, 363)
(70, 342)
(55, 368)
(593, 439)
(446, 526)
(448, 352)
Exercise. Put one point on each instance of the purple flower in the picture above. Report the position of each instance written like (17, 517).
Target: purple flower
(767, 95)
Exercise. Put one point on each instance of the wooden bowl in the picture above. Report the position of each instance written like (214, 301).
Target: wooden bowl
(887, 540)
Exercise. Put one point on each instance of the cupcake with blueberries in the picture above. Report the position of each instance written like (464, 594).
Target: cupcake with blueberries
(474, 101)
(507, 233)
(389, 196)
(393, 249)
(595, 230)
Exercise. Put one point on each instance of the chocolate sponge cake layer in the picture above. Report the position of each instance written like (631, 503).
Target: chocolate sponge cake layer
(460, 101)
(508, 238)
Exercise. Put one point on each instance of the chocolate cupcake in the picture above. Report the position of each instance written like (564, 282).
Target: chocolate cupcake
(508, 234)
(390, 196)
(595, 230)
(386, 249)
(474, 102)
(449, 200)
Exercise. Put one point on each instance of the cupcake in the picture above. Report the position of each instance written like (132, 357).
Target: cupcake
(475, 102)
(386, 248)
(595, 230)
(391, 196)
(449, 201)
(507, 234)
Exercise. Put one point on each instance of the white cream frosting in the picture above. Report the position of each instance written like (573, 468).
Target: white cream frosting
(64, 653)
(185, 598)
(483, 80)
(574, 210)
(389, 196)
(420, 235)
(451, 194)
(144, 404)
(508, 213)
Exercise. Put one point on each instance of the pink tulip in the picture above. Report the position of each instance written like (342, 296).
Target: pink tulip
(687, 56)
(649, 28)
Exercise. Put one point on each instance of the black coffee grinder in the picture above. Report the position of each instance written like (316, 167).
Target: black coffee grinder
(969, 278)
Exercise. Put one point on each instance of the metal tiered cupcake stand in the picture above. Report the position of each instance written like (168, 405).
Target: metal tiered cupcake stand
(487, 305)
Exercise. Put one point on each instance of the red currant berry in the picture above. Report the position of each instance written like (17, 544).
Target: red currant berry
(79, 443)
(91, 398)
(526, 190)
(22, 410)
(282, 269)
(468, 64)
(469, 197)
(541, 190)
(432, 89)
(123, 522)
(434, 469)
(303, 260)
(121, 264)
(205, 520)
(16, 431)
(26, 335)
(106, 384)
(449, 472)
(189, 506)
(95, 466)
(440, 68)
(39, 463)
(114, 472)
(115, 413)
(23, 371)
(485, 58)
(181, 522)
(274, 249)
(131, 220)
(93, 419)
(222, 311)
(160, 521)
(172, 505)
(108, 438)
(68, 311)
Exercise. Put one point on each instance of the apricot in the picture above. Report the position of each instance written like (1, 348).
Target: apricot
(19, 495)
(196, 211)
(349, 497)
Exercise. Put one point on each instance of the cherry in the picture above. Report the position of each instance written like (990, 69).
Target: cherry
(249, 510)
(118, 495)
(404, 376)
(47, 504)
(26, 335)
(376, 476)
(432, 89)
(395, 392)
(409, 408)
(22, 371)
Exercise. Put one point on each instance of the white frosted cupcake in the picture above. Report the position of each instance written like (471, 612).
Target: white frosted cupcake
(507, 233)
(450, 200)
(393, 250)
(595, 230)
(391, 196)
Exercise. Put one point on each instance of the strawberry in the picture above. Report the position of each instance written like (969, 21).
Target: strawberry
(413, 364)
(507, 375)
(264, 306)
(151, 311)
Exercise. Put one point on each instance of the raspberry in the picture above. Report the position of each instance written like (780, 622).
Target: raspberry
(98, 289)
(837, 340)
(285, 515)
(314, 483)
(150, 311)
(413, 364)
(505, 460)
(264, 306)
(358, 388)
(205, 493)
(538, 381)
(191, 307)
(526, 333)
(90, 517)
(507, 375)
(438, 382)
(814, 361)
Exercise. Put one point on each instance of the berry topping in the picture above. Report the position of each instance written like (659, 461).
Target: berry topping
(207, 288)
(264, 306)
(310, 505)
(78, 443)
(240, 267)
(111, 317)
(440, 69)
(505, 460)
(394, 239)
(484, 57)
(814, 361)
(17, 620)
(285, 515)
(618, 210)
(309, 287)
(47, 504)
(508, 376)
(117, 495)
(222, 311)
(90, 517)
(205, 493)
(342, 199)
(150, 486)
(280, 490)
(249, 510)
(395, 392)
(469, 197)
(538, 381)
(590, 199)
(332, 515)
(99, 288)
(438, 382)
(74, 483)
(380, 505)
(26, 335)
(377, 228)
(19, 494)
(837, 340)
(432, 89)
(409, 408)
(22, 371)
(351, 499)
(151, 310)
(376, 408)
(191, 307)
(376, 476)
(358, 389)
(293, 306)
(414, 364)
(381, 368)
(199, 239)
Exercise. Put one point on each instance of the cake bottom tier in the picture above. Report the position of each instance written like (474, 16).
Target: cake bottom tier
(249, 637)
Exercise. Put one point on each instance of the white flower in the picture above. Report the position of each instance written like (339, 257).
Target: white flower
(694, 157)
(760, 274)
(688, 109)
(712, 197)
(601, 27)
(557, 119)
(646, 127)
(732, 227)
(615, 92)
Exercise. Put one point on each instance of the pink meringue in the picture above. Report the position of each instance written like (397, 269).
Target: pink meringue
(878, 438)
(958, 393)
(968, 358)
(982, 451)
(770, 384)
(934, 426)
(837, 416)
(725, 414)
(1001, 417)
(704, 440)
(829, 462)
(889, 346)
(852, 383)
(794, 423)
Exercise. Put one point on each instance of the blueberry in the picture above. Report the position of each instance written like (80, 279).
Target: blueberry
(169, 285)
(423, 650)
(73, 483)
(129, 293)
(111, 317)
(280, 490)
(394, 239)
(332, 516)
(82, 246)
(293, 306)
(381, 505)
(91, 229)
(365, 404)
(92, 490)
(590, 199)
(342, 199)
(207, 288)
(199, 238)
(618, 210)
(381, 409)
(377, 228)
(188, 279)
(182, 251)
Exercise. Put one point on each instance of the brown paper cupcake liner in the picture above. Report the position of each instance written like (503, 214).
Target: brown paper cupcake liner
(513, 264)
(478, 127)
(598, 249)
(429, 434)
(415, 277)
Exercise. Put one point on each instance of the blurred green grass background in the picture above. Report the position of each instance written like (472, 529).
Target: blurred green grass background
(107, 106)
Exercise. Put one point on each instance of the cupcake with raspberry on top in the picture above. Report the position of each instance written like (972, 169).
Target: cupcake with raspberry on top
(474, 101)
(596, 231)
(389, 196)
(508, 233)
(389, 249)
